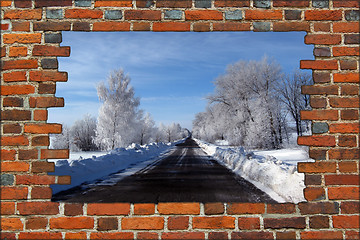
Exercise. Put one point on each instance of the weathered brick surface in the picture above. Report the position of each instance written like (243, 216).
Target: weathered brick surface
(31, 37)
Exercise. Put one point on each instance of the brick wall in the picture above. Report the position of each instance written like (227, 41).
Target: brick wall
(31, 36)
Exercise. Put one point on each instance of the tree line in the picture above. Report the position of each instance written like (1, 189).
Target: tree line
(120, 122)
(255, 105)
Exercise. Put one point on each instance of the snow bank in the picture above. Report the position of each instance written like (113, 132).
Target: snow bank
(89, 169)
(275, 177)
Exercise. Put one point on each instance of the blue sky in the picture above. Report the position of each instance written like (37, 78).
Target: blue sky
(172, 73)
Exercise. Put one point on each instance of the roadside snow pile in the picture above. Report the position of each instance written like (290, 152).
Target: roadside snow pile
(277, 178)
(86, 170)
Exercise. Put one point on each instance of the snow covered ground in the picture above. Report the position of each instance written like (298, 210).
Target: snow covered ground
(86, 167)
(274, 172)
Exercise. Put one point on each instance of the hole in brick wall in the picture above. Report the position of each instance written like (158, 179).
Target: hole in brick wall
(228, 90)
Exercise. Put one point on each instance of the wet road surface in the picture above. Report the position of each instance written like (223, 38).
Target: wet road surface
(186, 175)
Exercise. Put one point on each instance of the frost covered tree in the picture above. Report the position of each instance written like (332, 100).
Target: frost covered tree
(62, 140)
(116, 125)
(294, 101)
(171, 132)
(83, 133)
(146, 130)
(245, 108)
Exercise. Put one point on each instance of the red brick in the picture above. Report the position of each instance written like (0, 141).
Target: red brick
(41, 193)
(349, 114)
(178, 223)
(182, 235)
(35, 179)
(232, 3)
(44, 76)
(339, 154)
(319, 64)
(346, 221)
(348, 3)
(321, 15)
(41, 50)
(64, 180)
(38, 208)
(314, 193)
(231, 26)
(203, 15)
(14, 76)
(349, 90)
(286, 235)
(214, 208)
(348, 167)
(6, 3)
(3, 52)
(321, 77)
(13, 102)
(111, 26)
(346, 27)
(248, 223)
(324, 39)
(171, 26)
(263, 14)
(81, 26)
(41, 102)
(22, 38)
(318, 102)
(141, 26)
(5, 26)
(116, 3)
(144, 208)
(14, 193)
(290, 26)
(34, 14)
(46, 88)
(347, 141)
(112, 235)
(75, 235)
(40, 235)
(346, 51)
(23, 3)
(7, 154)
(83, 13)
(319, 222)
(7, 208)
(319, 115)
(11, 224)
(174, 4)
(151, 15)
(344, 128)
(317, 167)
(201, 27)
(319, 208)
(72, 223)
(350, 207)
(147, 236)
(340, 193)
(42, 128)
(28, 154)
(178, 208)
(109, 223)
(14, 166)
(19, 64)
(42, 166)
(218, 236)
(245, 208)
(18, 51)
(40, 141)
(252, 235)
(278, 223)
(54, 153)
(320, 90)
(14, 141)
(142, 223)
(292, 3)
(16, 115)
(73, 209)
(346, 77)
(40, 115)
(342, 179)
(284, 208)
(52, 3)
(52, 26)
(108, 209)
(352, 235)
(321, 27)
(21, 26)
(318, 141)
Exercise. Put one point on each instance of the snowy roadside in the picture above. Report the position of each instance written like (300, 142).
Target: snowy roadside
(122, 160)
(277, 178)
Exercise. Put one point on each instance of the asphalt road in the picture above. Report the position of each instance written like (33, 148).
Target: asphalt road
(186, 175)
